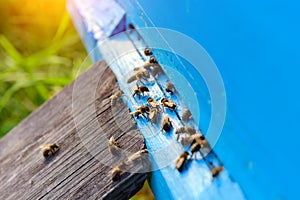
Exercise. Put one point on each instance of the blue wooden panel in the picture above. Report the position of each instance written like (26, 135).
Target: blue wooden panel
(256, 47)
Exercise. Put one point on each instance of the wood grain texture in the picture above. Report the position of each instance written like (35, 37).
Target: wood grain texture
(73, 172)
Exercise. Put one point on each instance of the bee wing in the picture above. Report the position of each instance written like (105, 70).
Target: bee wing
(131, 79)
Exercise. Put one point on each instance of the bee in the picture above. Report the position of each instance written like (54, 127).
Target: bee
(153, 60)
(190, 130)
(113, 146)
(196, 147)
(170, 88)
(147, 51)
(141, 110)
(153, 115)
(186, 116)
(118, 171)
(137, 157)
(50, 149)
(181, 161)
(215, 171)
(157, 70)
(179, 131)
(140, 90)
(166, 124)
(140, 74)
(116, 97)
(153, 103)
(191, 139)
(168, 103)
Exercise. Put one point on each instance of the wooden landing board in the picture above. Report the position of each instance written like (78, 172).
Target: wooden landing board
(73, 172)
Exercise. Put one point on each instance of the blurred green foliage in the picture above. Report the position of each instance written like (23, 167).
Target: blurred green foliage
(40, 52)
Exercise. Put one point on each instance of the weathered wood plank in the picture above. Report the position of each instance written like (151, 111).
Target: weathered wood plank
(73, 172)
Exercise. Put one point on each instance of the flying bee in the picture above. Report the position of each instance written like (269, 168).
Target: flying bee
(168, 103)
(113, 146)
(153, 116)
(186, 141)
(116, 97)
(118, 171)
(140, 90)
(147, 51)
(181, 161)
(166, 124)
(215, 171)
(186, 116)
(50, 149)
(196, 148)
(170, 88)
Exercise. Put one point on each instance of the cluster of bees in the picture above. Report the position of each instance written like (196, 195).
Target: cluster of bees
(152, 111)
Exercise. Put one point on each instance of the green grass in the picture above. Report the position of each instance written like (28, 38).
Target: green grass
(34, 66)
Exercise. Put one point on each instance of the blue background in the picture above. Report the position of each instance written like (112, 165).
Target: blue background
(256, 48)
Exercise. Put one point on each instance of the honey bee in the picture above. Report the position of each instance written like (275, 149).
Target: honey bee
(147, 51)
(170, 88)
(153, 116)
(179, 131)
(140, 90)
(141, 110)
(118, 171)
(186, 116)
(113, 146)
(196, 147)
(191, 139)
(153, 60)
(166, 124)
(116, 97)
(137, 157)
(140, 74)
(215, 171)
(188, 130)
(168, 103)
(157, 70)
(153, 103)
(181, 161)
(50, 149)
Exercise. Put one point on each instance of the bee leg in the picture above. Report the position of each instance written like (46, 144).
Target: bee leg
(177, 137)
